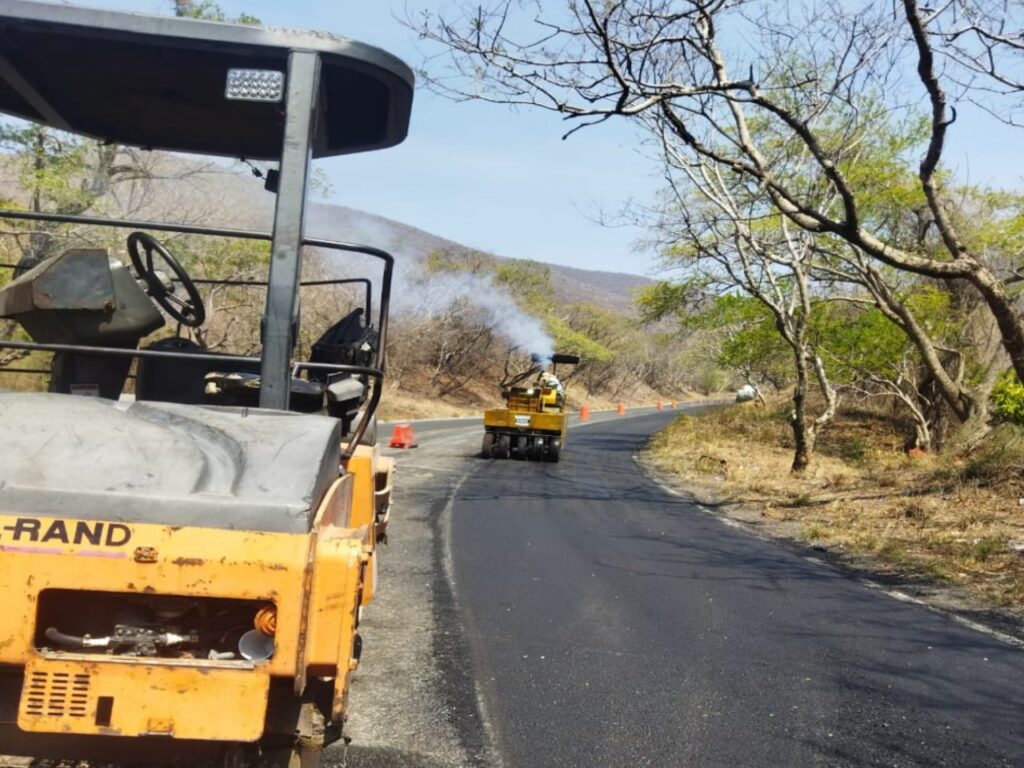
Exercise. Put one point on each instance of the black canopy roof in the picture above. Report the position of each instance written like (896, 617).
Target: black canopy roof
(159, 82)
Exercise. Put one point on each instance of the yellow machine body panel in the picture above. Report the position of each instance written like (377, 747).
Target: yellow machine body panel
(507, 419)
(534, 423)
(148, 559)
(337, 590)
(373, 476)
(117, 697)
(315, 583)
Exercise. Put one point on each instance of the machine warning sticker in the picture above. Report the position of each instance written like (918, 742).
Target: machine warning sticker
(30, 530)
(522, 421)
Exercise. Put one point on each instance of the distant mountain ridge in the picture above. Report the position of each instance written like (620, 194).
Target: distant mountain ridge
(613, 290)
(214, 195)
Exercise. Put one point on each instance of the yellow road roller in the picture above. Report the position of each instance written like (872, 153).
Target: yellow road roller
(187, 536)
(534, 422)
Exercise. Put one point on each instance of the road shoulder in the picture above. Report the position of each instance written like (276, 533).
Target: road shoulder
(950, 600)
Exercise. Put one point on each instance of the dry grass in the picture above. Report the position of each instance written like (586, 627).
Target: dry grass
(417, 399)
(950, 518)
(395, 405)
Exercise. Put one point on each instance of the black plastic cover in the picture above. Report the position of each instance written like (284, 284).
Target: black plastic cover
(158, 82)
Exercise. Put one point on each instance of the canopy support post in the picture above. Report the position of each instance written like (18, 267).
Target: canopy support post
(280, 325)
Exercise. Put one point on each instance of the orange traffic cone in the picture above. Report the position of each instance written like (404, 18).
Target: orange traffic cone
(673, 406)
(584, 412)
(621, 409)
(661, 406)
(402, 436)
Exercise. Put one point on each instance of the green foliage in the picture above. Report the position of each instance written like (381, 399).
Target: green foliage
(861, 341)
(1008, 398)
(223, 258)
(664, 299)
(208, 10)
(529, 282)
(455, 261)
(992, 222)
(758, 352)
(852, 449)
(729, 310)
(749, 342)
(710, 379)
(573, 342)
(50, 165)
(983, 549)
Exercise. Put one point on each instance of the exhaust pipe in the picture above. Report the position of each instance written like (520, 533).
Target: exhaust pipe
(256, 646)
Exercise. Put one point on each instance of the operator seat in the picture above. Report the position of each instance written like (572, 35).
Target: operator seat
(82, 297)
(178, 380)
(203, 381)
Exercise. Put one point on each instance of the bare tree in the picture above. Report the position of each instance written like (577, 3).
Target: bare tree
(722, 235)
(779, 123)
(517, 367)
(984, 39)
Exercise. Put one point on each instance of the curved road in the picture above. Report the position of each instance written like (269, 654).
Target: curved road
(577, 614)
(611, 623)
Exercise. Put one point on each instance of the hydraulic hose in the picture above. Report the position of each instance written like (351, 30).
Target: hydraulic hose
(73, 641)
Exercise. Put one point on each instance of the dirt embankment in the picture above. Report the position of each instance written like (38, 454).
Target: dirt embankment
(947, 529)
(417, 399)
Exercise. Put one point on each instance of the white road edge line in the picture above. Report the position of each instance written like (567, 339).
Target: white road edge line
(895, 594)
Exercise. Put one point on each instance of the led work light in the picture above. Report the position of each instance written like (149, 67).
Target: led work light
(254, 85)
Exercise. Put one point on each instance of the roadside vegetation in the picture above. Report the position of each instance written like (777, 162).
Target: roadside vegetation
(933, 519)
(819, 245)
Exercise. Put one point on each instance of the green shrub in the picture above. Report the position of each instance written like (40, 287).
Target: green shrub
(1008, 398)
(852, 449)
(983, 549)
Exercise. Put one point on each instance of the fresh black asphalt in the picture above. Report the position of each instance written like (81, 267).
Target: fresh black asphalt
(611, 623)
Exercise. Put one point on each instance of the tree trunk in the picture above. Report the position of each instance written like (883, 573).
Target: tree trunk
(922, 438)
(804, 431)
(969, 434)
(1011, 328)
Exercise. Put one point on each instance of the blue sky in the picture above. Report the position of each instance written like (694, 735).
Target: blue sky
(504, 181)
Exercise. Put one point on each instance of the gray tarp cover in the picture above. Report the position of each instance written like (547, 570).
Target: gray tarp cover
(92, 459)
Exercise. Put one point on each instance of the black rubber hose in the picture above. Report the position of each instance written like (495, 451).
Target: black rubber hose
(70, 641)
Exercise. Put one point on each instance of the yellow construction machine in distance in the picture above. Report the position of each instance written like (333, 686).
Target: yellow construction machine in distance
(535, 420)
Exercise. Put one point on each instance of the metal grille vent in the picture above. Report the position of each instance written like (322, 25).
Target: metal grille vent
(57, 694)
(518, 402)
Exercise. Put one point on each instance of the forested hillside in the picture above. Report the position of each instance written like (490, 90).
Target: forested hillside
(464, 323)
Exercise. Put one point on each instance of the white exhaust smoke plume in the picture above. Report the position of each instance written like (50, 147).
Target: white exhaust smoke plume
(419, 295)
(433, 294)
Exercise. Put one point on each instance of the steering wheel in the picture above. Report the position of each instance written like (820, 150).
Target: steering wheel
(190, 312)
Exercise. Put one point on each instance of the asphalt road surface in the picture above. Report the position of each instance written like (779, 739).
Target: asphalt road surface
(577, 614)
